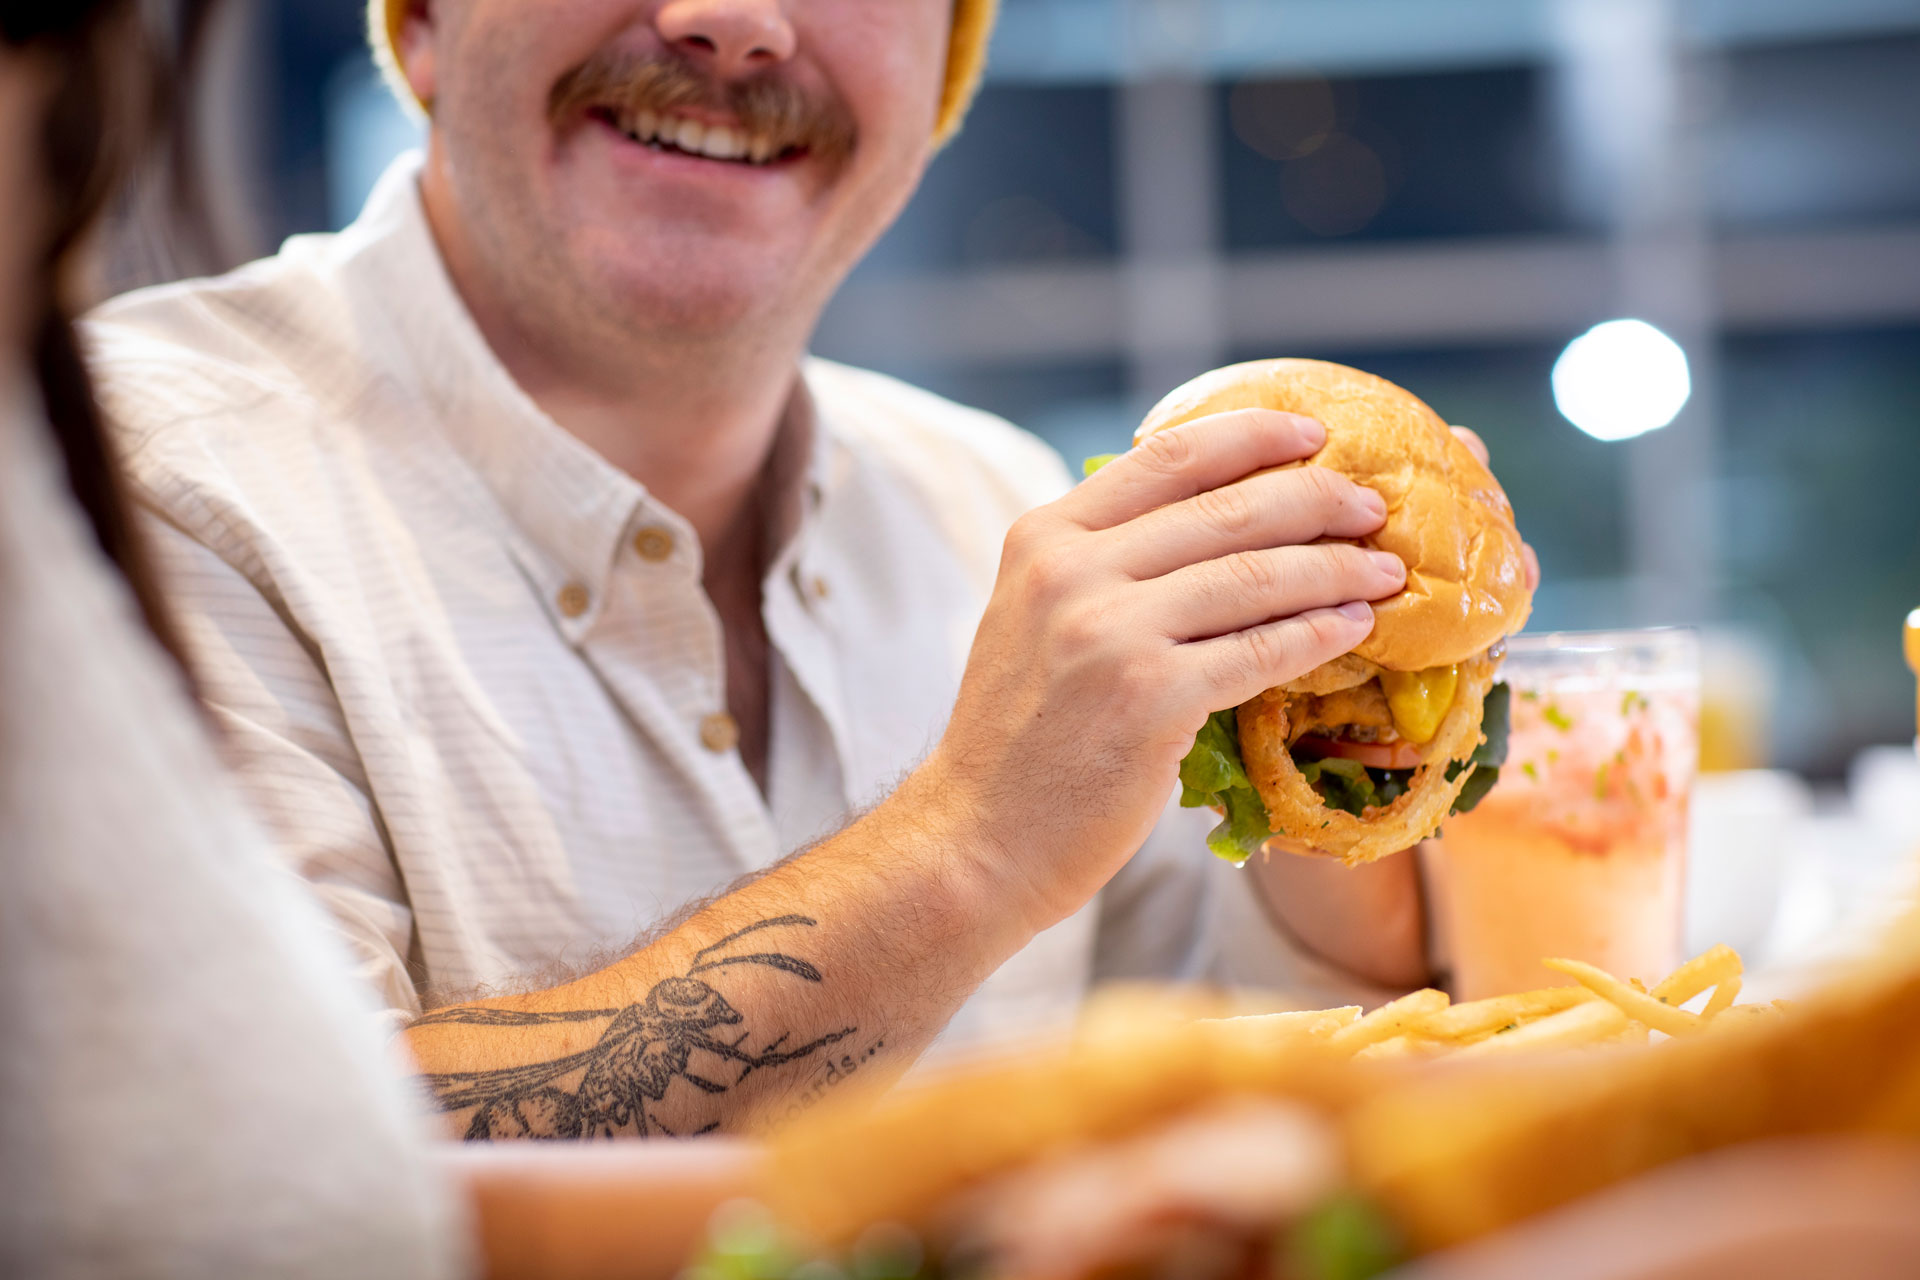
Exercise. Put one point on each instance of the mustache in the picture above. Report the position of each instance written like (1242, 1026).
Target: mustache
(627, 83)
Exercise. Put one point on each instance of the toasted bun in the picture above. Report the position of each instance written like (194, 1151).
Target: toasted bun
(1447, 517)
(1454, 1149)
(903, 1156)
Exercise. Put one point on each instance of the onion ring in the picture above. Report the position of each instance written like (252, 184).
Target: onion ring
(1302, 822)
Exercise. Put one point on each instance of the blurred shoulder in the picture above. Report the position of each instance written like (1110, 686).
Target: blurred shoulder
(274, 339)
(954, 453)
(237, 391)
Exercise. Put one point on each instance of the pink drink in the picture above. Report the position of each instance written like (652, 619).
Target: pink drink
(1580, 851)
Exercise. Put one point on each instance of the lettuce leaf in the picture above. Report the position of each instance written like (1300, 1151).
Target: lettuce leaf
(1489, 755)
(1213, 775)
(1351, 787)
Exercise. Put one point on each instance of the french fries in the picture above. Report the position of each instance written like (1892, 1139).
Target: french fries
(1602, 1009)
(1713, 967)
(1318, 1024)
(1401, 1046)
(1388, 1021)
(1723, 997)
(1638, 1005)
(1591, 1023)
(1477, 1019)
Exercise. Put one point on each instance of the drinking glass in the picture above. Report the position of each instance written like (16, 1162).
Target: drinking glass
(1580, 849)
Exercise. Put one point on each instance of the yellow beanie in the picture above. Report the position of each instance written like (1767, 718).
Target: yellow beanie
(966, 56)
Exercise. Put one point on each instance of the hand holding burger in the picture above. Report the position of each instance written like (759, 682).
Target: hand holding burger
(1186, 576)
(1367, 754)
(1228, 560)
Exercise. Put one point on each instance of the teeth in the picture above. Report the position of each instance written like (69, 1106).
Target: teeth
(716, 142)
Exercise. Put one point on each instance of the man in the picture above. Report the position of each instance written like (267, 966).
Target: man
(540, 586)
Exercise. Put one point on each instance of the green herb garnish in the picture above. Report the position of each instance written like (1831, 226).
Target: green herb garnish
(745, 1243)
(1346, 1238)
(1559, 719)
(1097, 461)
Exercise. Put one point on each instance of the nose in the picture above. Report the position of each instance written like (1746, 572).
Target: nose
(731, 38)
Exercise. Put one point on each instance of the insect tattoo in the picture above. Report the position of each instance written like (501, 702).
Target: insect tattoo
(645, 1048)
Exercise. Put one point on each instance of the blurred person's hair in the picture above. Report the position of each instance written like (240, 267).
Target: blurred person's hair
(114, 73)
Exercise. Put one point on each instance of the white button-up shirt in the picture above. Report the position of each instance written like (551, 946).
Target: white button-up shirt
(468, 674)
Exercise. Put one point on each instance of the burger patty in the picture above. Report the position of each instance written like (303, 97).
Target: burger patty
(1359, 714)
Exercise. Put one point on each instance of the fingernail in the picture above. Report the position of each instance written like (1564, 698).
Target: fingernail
(1356, 610)
(1388, 563)
(1312, 432)
(1372, 501)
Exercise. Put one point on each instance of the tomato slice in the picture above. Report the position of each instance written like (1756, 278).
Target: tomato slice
(1374, 755)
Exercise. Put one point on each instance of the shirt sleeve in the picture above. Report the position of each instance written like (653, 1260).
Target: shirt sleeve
(1176, 912)
(281, 734)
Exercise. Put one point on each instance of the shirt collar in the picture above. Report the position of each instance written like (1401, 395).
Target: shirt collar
(571, 511)
(802, 466)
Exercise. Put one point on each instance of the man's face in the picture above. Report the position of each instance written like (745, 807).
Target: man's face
(673, 167)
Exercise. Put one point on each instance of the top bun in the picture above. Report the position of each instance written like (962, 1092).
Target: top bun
(1447, 517)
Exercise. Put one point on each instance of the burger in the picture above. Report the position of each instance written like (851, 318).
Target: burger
(1159, 1141)
(1368, 754)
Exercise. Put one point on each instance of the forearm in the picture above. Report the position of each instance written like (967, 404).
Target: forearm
(1122, 615)
(846, 960)
(1368, 920)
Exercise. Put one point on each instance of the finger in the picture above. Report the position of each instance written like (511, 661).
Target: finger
(1173, 465)
(1533, 567)
(1232, 668)
(1254, 587)
(1475, 445)
(1277, 509)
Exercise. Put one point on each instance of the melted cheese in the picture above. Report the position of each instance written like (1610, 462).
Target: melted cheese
(1420, 700)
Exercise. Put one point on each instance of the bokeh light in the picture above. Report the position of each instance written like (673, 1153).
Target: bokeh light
(1283, 119)
(1336, 190)
(1621, 379)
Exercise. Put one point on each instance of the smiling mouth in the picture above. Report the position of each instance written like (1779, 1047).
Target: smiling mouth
(727, 143)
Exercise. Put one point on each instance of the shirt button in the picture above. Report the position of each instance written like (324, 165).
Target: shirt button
(719, 732)
(653, 543)
(573, 600)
